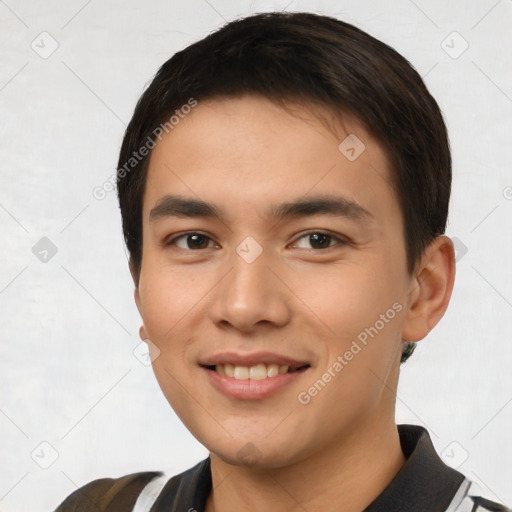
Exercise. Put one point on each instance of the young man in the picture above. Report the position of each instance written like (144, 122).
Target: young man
(284, 187)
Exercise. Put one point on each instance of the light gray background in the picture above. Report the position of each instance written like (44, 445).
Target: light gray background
(70, 379)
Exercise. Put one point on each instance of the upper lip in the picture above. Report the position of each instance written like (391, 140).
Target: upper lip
(251, 359)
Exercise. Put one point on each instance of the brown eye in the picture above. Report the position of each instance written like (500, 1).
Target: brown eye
(320, 240)
(193, 241)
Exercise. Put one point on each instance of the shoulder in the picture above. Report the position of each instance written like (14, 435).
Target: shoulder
(468, 498)
(143, 491)
(110, 494)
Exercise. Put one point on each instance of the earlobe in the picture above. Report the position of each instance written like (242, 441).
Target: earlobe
(431, 289)
(142, 333)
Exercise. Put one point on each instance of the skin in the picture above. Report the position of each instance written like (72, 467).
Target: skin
(340, 450)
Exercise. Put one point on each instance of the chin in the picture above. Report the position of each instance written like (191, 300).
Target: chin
(250, 456)
(255, 452)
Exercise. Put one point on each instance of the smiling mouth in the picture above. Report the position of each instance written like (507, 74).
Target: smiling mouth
(256, 372)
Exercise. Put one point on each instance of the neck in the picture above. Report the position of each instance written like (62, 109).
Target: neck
(348, 476)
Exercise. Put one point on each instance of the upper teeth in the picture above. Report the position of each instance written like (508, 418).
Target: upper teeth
(256, 372)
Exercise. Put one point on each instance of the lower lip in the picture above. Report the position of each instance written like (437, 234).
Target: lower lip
(247, 389)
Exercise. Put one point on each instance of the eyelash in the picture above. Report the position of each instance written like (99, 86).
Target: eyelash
(341, 241)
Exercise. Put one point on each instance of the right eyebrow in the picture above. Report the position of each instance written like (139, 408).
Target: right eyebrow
(176, 206)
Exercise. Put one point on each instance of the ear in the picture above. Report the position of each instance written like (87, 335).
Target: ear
(135, 273)
(135, 276)
(431, 289)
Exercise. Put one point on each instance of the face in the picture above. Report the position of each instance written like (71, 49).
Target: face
(268, 245)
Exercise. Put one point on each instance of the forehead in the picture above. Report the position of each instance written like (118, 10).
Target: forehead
(249, 152)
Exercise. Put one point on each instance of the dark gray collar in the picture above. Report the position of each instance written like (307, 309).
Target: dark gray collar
(424, 484)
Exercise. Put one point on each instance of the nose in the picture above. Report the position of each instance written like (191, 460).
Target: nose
(251, 294)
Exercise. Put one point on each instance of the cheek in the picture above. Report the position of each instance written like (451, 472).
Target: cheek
(167, 297)
(353, 299)
(171, 301)
(356, 370)
(364, 312)
(180, 393)
(168, 302)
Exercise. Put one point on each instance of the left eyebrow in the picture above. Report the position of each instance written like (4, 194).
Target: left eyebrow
(177, 206)
(330, 205)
